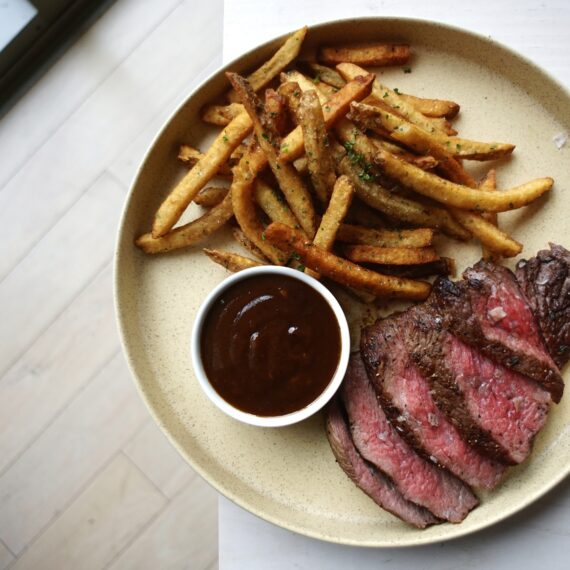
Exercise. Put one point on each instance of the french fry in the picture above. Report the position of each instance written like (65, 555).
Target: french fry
(327, 75)
(189, 156)
(292, 186)
(242, 190)
(343, 271)
(211, 196)
(201, 173)
(243, 240)
(291, 92)
(442, 266)
(358, 167)
(337, 209)
(280, 60)
(382, 120)
(423, 162)
(231, 261)
(333, 110)
(275, 108)
(432, 107)
(305, 84)
(458, 195)
(488, 233)
(391, 98)
(391, 255)
(221, 115)
(189, 234)
(319, 159)
(421, 237)
(377, 54)
(273, 204)
(489, 184)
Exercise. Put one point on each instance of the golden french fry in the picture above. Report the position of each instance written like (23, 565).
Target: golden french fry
(189, 156)
(221, 115)
(201, 173)
(189, 234)
(291, 184)
(343, 271)
(273, 204)
(211, 196)
(392, 98)
(280, 60)
(391, 255)
(327, 75)
(305, 84)
(442, 266)
(376, 54)
(337, 209)
(421, 237)
(243, 240)
(432, 107)
(423, 162)
(380, 119)
(457, 195)
(231, 261)
(319, 159)
(488, 233)
(489, 184)
(333, 110)
(358, 167)
(275, 109)
(242, 190)
(292, 94)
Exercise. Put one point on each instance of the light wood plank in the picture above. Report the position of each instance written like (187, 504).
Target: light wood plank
(94, 426)
(183, 536)
(90, 139)
(105, 517)
(157, 458)
(125, 166)
(61, 265)
(93, 57)
(5, 557)
(68, 354)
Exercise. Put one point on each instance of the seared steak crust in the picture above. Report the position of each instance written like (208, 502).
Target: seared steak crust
(545, 279)
(488, 311)
(368, 478)
(418, 480)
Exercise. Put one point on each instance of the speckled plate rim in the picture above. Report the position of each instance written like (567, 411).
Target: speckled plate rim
(456, 531)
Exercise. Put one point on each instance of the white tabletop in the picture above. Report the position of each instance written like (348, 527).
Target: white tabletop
(539, 534)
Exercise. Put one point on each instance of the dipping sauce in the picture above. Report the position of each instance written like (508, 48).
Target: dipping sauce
(270, 345)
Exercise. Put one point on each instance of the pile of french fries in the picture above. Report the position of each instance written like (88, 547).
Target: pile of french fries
(330, 171)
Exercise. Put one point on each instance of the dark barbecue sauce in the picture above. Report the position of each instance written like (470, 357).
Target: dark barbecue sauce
(270, 345)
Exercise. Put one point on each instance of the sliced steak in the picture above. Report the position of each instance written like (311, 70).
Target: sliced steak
(367, 477)
(545, 279)
(490, 312)
(407, 400)
(507, 406)
(377, 441)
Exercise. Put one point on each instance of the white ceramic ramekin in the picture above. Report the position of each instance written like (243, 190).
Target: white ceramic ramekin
(293, 417)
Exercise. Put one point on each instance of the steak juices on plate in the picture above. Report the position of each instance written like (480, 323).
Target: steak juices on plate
(444, 396)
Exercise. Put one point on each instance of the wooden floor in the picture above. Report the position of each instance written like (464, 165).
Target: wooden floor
(86, 479)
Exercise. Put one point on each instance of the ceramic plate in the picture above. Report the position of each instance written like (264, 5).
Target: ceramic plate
(288, 476)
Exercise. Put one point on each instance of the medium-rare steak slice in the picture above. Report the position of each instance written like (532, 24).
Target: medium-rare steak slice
(507, 406)
(490, 312)
(407, 400)
(545, 279)
(367, 477)
(377, 441)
